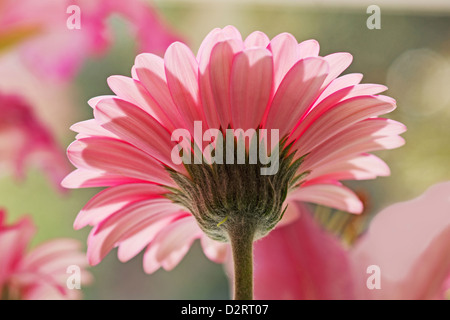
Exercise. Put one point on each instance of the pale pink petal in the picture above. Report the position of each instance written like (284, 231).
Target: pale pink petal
(308, 48)
(367, 135)
(133, 91)
(359, 146)
(335, 196)
(136, 127)
(171, 244)
(409, 242)
(284, 50)
(358, 90)
(93, 101)
(215, 251)
(338, 62)
(341, 116)
(150, 71)
(182, 79)
(337, 85)
(113, 199)
(296, 93)
(250, 87)
(325, 103)
(124, 223)
(301, 261)
(363, 167)
(204, 50)
(212, 38)
(215, 84)
(215, 59)
(118, 158)
(81, 178)
(257, 39)
(144, 234)
(91, 128)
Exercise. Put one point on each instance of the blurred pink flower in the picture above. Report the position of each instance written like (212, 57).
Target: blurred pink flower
(53, 50)
(274, 84)
(24, 140)
(408, 241)
(40, 273)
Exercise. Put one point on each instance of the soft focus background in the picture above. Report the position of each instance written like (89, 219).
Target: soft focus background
(410, 54)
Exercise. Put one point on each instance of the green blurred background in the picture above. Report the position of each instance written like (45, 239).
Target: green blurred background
(410, 54)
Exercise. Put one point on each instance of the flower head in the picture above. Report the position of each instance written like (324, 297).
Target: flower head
(40, 273)
(162, 144)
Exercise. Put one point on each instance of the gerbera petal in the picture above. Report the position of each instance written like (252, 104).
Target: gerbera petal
(112, 199)
(359, 146)
(335, 196)
(284, 50)
(364, 136)
(340, 117)
(134, 92)
(250, 87)
(93, 101)
(144, 234)
(408, 241)
(136, 127)
(293, 262)
(118, 158)
(212, 38)
(125, 223)
(331, 101)
(215, 84)
(363, 167)
(257, 39)
(81, 178)
(171, 244)
(182, 79)
(91, 128)
(338, 62)
(151, 73)
(300, 87)
(338, 84)
(308, 48)
(215, 251)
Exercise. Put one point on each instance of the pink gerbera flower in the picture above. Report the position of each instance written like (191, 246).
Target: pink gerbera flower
(43, 272)
(323, 126)
(25, 140)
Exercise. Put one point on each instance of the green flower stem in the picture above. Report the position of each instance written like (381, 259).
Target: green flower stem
(241, 239)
